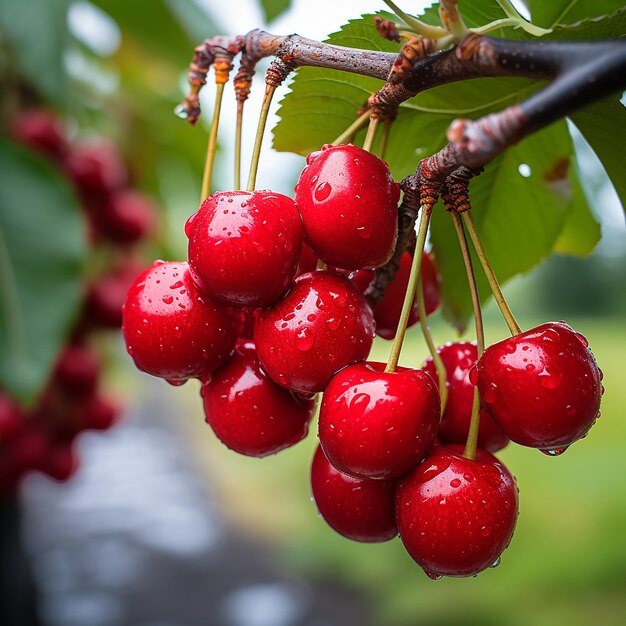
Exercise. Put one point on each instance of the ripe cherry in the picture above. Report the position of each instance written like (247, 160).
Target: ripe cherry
(60, 461)
(357, 508)
(11, 418)
(377, 424)
(322, 325)
(244, 246)
(41, 130)
(456, 516)
(459, 358)
(348, 201)
(77, 370)
(96, 167)
(387, 311)
(543, 387)
(249, 412)
(171, 329)
(126, 217)
(96, 413)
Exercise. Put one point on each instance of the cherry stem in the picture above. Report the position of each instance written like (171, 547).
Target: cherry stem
(356, 126)
(371, 133)
(385, 138)
(507, 314)
(258, 140)
(472, 435)
(439, 366)
(238, 127)
(212, 145)
(409, 296)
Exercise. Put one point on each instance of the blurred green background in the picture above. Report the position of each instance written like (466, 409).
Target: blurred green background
(118, 67)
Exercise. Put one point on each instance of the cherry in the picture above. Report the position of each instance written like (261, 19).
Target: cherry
(126, 217)
(459, 358)
(96, 413)
(41, 130)
(543, 387)
(348, 201)
(11, 418)
(322, 325)
(357, 508)
(96, 167)
(244, 246)
(77, 370)
(377, 424)
(60, 461)
(456, 516)
(249, 412)
(171, 329)
(387, 311)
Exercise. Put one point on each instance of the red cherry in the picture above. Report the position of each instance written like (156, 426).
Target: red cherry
(249, 412)
(96, 413)
(40, 130)
(348, 202)
(543, 387)
(11, 418)
(357, 508)
(126, 217)
(244, 246)
(322, 325)
(105, 296)
(60, 462)
(96, 167)
(29, 447)
(77, 370)
(377, 424)
(387, 311)
(308, 261)
(456, 516)
(458, 359)
(171, 329)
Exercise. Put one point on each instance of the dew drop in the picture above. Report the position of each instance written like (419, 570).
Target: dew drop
(167, 299)
(600, 374)
(550, 335)
(455, 482)
(333, 323)
(490, 396)
(359, 403)
(485, 531)
(304, 340)
(582, 339)
(322, 191)
(549, 381)
(598, 415)
(496, 562)
(473, 375)
(177, 285)
(510, 347)
(432, 575)
(363, 233)
(189, 225)
(175, 382)
(554, 451)
(570, 410)
(530, 367)
(602, 390)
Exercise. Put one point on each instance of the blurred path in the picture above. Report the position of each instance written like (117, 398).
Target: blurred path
(135, 539)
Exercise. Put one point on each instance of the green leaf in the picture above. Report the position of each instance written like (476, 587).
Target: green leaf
(273, 8)
(603, 125)
(42, 246)
(549, 14)
(519, 219)
(37, 35)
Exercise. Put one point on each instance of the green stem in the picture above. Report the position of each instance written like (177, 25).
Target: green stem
(238, 127)
(491, 26)
(419, 27)
(468, 221)
(409, 296)
(439, 365)
(211, 148)
(452, 20)
(511, 12)
(472, 434)
(371, 133)
(258, 140)
(356, 126)
(385, 138)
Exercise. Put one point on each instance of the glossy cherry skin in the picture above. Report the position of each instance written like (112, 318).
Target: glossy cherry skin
(171, 329)
(244, 246)
(543, 387)
(322, 325)
(357, 508)
(456, 516)
(459, 358)
(387, 311)
(249, 412)
(348, 201)
(377, 424)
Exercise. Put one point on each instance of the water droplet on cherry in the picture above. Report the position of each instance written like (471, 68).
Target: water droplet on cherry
(322, 191)
(554, 451)
(304, 340)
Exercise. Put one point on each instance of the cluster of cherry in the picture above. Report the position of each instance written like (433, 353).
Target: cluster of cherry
(264, 331)
(117, 217)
